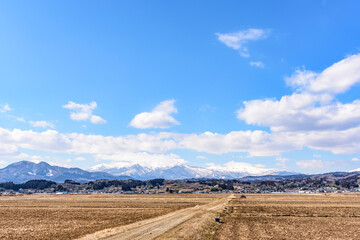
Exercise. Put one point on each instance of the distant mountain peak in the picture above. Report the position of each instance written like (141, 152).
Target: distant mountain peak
(180, 171)
(23, 171)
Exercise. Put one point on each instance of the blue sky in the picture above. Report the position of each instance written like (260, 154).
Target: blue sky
(207, 83)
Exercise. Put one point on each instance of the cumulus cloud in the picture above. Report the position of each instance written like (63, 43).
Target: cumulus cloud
(313, 106)
(5, 108)
(42, 124)
(8, 149)
(81, 112)
(339, 77)
(257, 64)
(49, 140)
(256, 143)
(335, 79)
(238, 40)
(159, 117)
(155, 149)
(314, 164)
(310, 117)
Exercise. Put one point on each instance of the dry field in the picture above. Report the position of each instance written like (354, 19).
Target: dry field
(73, 216)
(292, 216)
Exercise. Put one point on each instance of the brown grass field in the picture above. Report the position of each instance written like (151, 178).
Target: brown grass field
(72, 216)
(291, 216)
(259, 216)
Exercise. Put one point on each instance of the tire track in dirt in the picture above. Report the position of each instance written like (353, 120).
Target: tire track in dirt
(153, 228)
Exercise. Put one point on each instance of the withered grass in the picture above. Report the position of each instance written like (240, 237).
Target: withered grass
(292, 216)
(72, 216)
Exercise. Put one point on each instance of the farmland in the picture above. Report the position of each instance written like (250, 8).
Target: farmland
(72, 216)
(291, 216)
(180, 216)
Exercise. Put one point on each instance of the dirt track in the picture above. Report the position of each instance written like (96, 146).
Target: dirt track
(153, 228)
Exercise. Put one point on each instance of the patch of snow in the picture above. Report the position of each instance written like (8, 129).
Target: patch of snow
(50, 173)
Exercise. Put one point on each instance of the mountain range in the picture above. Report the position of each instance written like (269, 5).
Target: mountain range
(23, 171)
(137, 171)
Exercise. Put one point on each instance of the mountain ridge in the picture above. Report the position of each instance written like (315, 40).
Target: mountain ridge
(23, 171)
(183, 171)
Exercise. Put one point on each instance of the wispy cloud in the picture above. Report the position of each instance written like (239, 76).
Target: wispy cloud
(207, 108)
(314, 164)
(43, 124)
(281, 161)
(5, 108)
(238, 40)
(83, 112)
(159, 117)
(257, 64)
(242, 167)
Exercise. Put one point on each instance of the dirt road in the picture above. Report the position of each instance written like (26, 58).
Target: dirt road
(153, 228)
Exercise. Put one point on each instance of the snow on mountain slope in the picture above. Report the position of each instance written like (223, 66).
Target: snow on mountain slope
(137, 171)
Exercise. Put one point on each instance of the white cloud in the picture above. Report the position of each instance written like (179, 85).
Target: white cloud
(97, 119)
(143, 158)
(281, 161)
(355, 159)
(256, 143)
(335, 79)
(80, 159)
(155, 149)
(49, 140)
(43, 124)
(8, 149)
(257, 64)
(5, 108)
(339, 77)
(306, 118)
(159, 117)
(3, 164)
(98, 144)
(83, 112)
(238, 40)
(242, 167)
(20, 119)
(314, 164)
(313, 106)
(301, 79)
(32, 158)
(201, 157)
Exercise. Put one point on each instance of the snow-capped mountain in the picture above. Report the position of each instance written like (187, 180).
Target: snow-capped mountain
(23, 171)
(137, 171)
